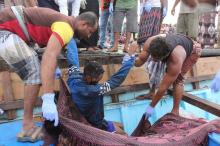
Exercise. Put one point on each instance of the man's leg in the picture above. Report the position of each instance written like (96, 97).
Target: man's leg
(116, 42)
(118, 18)
(179, 83)
(177, 96)
(131, 25)
(103, 24)
(31, 93)
(127, 41)
(110, 21)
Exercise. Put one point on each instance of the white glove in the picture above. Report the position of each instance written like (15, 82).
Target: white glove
(49, 108)
(149, 112)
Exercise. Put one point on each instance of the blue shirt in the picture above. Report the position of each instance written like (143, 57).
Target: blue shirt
(89, 98)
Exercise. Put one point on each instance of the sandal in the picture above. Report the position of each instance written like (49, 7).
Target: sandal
(112, 50)
(33, 135)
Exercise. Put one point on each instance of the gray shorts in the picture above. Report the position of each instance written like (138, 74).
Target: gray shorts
(131, 19)
(187, 24)
(20, 57)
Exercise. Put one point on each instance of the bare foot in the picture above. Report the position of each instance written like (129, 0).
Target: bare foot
(145, 96)
(91, 49)
(28, 125)
(125, 48)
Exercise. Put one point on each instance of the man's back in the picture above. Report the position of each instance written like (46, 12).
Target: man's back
(38, 22)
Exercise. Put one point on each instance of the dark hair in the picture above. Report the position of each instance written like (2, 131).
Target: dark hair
(89, 17)
(93, 69)
(159, 48)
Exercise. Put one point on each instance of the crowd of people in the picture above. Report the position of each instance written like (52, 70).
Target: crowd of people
(79, 24)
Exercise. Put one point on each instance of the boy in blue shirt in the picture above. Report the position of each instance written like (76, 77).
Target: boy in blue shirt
(88, 94)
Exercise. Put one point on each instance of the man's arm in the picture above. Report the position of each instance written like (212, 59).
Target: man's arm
(117, 78)
(49, 63)
(72, 54)
(143, 56)
(174, 6)
(72, 58)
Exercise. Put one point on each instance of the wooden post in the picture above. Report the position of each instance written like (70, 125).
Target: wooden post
(194, 74)
(111, 71)
(8, 93)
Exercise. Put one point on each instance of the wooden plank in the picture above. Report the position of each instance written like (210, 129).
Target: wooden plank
(18, 104)
(194, 74)
(111, 71)
(201, 103)
(199, 78)
(129, 88)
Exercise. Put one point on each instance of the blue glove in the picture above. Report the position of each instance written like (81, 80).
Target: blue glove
(57, 73)
(147, 7)
(215, 86)
(149, 112)
(164, 11)
(111, 9)
(49, 108)
(126, 58)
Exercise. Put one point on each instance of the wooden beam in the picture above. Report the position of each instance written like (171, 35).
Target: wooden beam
(210, 52)
(201, 103)
(18, 104)
(130, 88)
(199, 78)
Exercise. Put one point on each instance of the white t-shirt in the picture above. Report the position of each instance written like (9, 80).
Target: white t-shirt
(155, 3)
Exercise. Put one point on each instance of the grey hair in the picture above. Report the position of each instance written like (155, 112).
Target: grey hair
(89, 17)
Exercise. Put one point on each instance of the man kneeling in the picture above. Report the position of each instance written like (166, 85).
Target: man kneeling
(86, 91)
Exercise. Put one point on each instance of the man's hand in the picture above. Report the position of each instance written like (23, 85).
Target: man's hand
(173, 11)
(215, 86)
(111, 9)
(149, 112)
(49, 108)
(132, 48)
(131, 52)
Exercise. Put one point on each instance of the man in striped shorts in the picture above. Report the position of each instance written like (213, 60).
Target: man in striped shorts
(49, 29)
